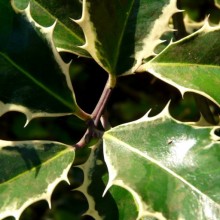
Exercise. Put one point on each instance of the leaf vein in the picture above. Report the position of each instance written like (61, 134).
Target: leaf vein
(34, 80)
(156, 162)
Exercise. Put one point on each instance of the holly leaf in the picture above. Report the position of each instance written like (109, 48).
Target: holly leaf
(170, 168)
(126, 210)
(121, 34)
(94, 172)
(68, 36)
(190, 65)
(29, 58)
(29, 172)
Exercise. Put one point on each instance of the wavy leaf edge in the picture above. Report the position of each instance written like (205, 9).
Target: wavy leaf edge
(141, 205)
(87, 169)
(206, 28)
(64, 67)
(12, 211)
(148, 49)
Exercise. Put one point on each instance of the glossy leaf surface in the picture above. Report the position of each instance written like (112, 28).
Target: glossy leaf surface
(119, 35)
(34, 79)
(192, 64)
(169, 167)
(29, 172)
(68, 36)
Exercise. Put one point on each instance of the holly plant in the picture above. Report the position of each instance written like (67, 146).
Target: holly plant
(155, 167)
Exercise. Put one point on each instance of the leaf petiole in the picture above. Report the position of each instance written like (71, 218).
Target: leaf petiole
(92, 131)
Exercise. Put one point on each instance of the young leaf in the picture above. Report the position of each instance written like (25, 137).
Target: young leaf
(172, 169)
(29, 172)
(191, 64)
(67, 35)
(119, 35)
(33, 78)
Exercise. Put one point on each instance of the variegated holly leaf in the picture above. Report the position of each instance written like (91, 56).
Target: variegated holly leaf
(121, 34)
(29, 172)
(94, 170)
(68, 36)
(103, 206)
(172, 169)
(191, 64)
(33, 78)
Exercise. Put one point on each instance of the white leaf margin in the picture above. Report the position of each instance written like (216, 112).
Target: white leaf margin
(87, 168)
(150, 42)
(142, 206)
(48, 33)
(147, 67)
(13, 210)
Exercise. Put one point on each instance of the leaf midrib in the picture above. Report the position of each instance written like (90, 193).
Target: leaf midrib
(121, 37)
(185, 65)
(38, 83)
(61, 153)
(154, 161)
